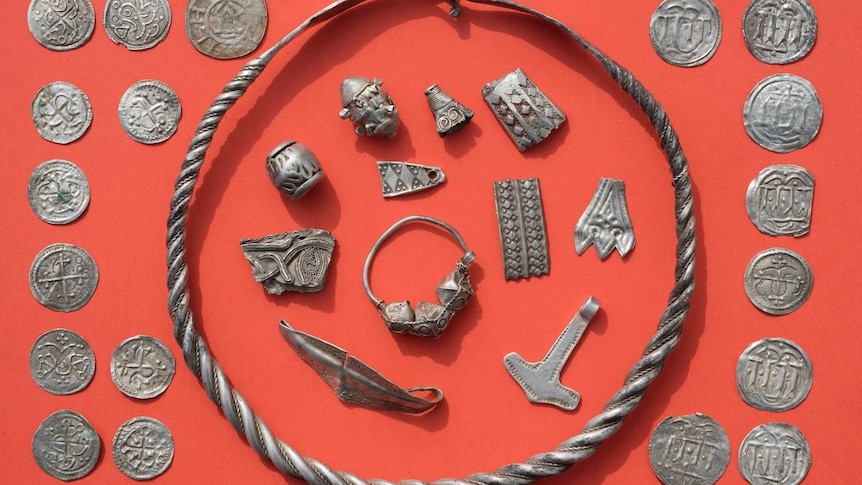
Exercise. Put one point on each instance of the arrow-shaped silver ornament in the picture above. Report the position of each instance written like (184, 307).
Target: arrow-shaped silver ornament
(399, 178)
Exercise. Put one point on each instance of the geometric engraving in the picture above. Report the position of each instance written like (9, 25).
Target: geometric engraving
(62, 362)
(779, 200)
(782, 113)
(522, 228)
(137, 24)
(226, 29)
(143, 448)
(63, 277)
(61, 112)
(398, 178)
(774, 453)
(685, 33)
(779, 31)
(149, 111)
(66, 446)
(773, 374)
(778, 281)
(290, 261)
(606, 222)
(142, 367)
(691, 450)
(61, 26)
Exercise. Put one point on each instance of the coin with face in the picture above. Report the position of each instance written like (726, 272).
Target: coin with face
(774, 453)
(691, 450)
(779, 200)
(782, 113)
(66, 446)
(149, 112)
(773, 374)
(685, 33)
(61, 112)
(778, 281)
(63, 277)
(226, 29)
(61, 26)
(62, 362)
(137, 24)
(143, 448)
(142, 367)
(779, 31)
(58, 191)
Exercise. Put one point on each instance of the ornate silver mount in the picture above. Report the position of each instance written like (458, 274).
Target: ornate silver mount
(521, 220)
(352, 380)
(293, 169)
(369, 107)
(541, 380)
(399, 178)
(453, 291)
(449, 115)
(290, 261)
(606, 221)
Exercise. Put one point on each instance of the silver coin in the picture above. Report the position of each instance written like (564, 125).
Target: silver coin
(62, 362)
(779, 31)
(137, 24)
(61, 112)
(143, 448)
(773, 374)
(66, 446)
(782, 113)
(149, 111)
(778, 281)
(685, 32)
(61, 26)
(779, 200)
(58, 191)
(226, 29)
(774, 453)
(63, 277)
(690, 450)
(142, 367)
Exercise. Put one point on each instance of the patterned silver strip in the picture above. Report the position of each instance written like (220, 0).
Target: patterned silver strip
(522, 228)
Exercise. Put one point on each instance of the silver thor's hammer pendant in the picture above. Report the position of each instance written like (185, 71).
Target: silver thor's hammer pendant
(541, 380)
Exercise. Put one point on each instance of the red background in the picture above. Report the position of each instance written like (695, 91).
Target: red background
(485, 420)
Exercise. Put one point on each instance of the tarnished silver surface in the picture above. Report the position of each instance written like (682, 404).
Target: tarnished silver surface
(774, 453)
(779, 31)
(355, 382)
(689, 450)
(137, 24)
(779, 200)
(293, 169)
(449, 115)
(290, 261)
(62, 362)
(142, 367)
(66, 446)
(226, 29)
(606, 222)
(540, 380)
(61, 26)
(61, 112)
(399, 178)
(685, 33)
(782, 113)
(143, 448)
(58, 191)
(774, 374)
(369, 107)
(778, 281)
(63, 277)
(522, 228)
(149, 111)
(525, 112)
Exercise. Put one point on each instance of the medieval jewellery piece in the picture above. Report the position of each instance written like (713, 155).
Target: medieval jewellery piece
(137, 24)
(143, 448)
(779, 31)
(449, 115)
(774, 453)
(690, 450)
(142, 367)
(61, 112)
(778, 281)
(63, 277)
(774, 374)
(149, 111)
(782, 113)
(58, 191)
(62, 362)
(540, 381)
(66, 446)
(399, 178)
(61, 26)
(779, 200)
(369, 107)
(293, 169)
(606, 222)
(353, 381)
(290, 261)
(685, 33)
(522, 228)
(226, 29)
(428, 319)
(527, 115)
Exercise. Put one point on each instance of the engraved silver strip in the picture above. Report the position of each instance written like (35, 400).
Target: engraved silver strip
(522, 228)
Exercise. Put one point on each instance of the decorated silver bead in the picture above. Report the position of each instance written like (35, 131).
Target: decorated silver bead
(293, 169)
(369, 107)
(450, 115)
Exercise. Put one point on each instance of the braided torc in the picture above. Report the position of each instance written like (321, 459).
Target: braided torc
(283, 456)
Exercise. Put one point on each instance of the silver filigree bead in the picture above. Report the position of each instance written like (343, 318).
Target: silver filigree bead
(293, 169)
(369, 107)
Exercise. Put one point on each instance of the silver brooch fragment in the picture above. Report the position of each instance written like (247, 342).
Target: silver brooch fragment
(369, 107)
(606, 222)
(290, 261)
(449, 115)
(521, 220)
(399, 178)
(427, 319)
(527, 115)
(779, 200)
(293, 169)
(352, 380)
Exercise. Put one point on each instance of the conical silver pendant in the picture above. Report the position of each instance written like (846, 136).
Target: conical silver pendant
(449, 115)
(399, 178)
(606, 221)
